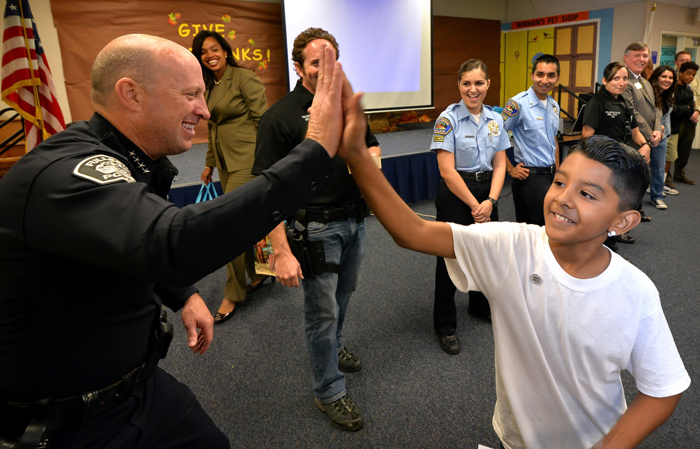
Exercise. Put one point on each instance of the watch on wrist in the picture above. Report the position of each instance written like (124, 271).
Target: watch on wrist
(493, 201)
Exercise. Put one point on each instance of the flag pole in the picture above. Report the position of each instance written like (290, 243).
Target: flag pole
(647, 31)
(38, 113)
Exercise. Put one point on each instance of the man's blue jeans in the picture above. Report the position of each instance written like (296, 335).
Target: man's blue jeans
(657, 162)
(326, 299)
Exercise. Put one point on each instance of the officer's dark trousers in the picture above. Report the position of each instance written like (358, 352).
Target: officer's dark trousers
(528, 197)
(451, 209)
(163, 413)
(686, 134)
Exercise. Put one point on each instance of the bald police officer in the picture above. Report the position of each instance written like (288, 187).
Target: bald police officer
(88, 243)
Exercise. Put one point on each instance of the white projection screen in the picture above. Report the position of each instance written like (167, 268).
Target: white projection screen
(385, 46)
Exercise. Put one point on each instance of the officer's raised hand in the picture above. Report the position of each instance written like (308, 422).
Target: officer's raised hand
(326, 115)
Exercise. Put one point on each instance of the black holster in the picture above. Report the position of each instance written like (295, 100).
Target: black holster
(310, 254)
(159, 348)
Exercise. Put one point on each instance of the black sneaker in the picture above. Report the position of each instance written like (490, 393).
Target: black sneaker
(348, 362)
(449, 343)
(343, 414)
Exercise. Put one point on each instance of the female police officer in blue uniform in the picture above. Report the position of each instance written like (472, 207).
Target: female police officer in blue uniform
(469, 140)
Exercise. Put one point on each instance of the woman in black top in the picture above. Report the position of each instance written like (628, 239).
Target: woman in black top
(608, 114)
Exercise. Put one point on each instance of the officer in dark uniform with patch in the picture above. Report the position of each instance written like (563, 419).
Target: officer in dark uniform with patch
(533, 118)
(89, 243)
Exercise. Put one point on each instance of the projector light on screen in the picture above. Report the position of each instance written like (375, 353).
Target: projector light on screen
(385, 46)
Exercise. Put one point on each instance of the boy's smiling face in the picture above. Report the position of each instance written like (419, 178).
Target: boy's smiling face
(581, 205)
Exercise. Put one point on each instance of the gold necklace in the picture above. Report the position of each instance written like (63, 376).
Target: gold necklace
(217, 82)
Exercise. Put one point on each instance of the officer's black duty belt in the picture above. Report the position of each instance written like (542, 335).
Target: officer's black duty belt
(478, 176)
(47, 415)
(52, 414)
(326, 215)
(542, 170)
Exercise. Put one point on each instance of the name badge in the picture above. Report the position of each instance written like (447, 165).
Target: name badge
(638, 85)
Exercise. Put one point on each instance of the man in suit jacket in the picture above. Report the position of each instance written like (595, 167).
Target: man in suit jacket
(640, 95)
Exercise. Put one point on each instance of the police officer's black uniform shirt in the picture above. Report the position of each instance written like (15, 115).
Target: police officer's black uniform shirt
(86, 239)
(610, 116)
(282, 127)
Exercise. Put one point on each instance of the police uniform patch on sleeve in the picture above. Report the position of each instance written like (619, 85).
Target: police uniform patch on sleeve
(102, 169)
(442, 127)
(438, 138)
(510, 110)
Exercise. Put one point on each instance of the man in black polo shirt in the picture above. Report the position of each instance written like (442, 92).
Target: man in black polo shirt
(336, 219)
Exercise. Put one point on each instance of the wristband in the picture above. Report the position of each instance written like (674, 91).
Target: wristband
(493, 201)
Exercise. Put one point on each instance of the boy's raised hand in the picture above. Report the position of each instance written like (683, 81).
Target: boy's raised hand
(353, 142)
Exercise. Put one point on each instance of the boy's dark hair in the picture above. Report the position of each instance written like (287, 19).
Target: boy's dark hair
(545, 59)
(688, 65)
(197, 44)
(630, 172)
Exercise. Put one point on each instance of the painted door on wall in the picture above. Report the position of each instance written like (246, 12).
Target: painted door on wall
(514, 46)
(518, 50)
(576, 48)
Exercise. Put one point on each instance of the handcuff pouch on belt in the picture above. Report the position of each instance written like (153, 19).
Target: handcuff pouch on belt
(47, 415)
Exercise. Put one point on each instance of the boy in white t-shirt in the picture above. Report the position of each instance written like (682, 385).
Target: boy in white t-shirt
(568, 314)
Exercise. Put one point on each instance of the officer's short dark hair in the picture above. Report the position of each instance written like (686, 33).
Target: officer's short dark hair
(546, 59)
(630, 172)
(688, 65)
(308, 35)
(472, 64)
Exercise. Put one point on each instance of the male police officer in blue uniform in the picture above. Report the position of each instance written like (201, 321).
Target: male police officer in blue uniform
(533, 118)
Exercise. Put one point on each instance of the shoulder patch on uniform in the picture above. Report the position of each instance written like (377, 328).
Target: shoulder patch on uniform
(510, 110)
(442, 126)
(102, 169)
(438, 138)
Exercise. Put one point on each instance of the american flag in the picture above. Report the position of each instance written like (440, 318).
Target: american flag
(25, 86)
